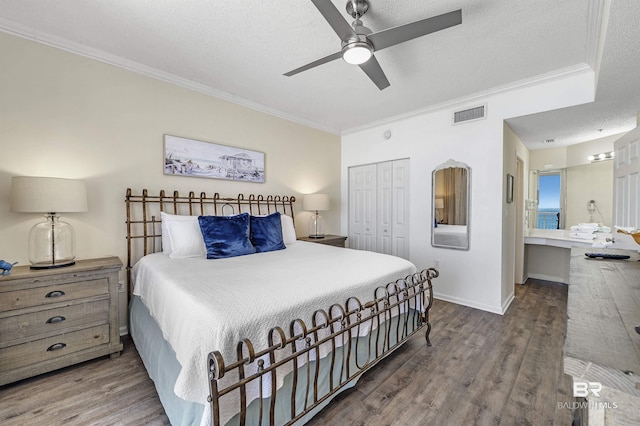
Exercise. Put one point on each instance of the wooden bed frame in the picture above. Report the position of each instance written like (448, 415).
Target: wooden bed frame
(405, 302)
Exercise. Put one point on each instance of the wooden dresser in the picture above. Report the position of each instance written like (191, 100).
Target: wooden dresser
(329, 240)
(53, 318)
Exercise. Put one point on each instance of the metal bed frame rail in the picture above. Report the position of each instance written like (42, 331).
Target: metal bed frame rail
(407, 301)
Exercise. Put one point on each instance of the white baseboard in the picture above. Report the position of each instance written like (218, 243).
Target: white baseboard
(507, 303)
(464, 302)
(124, 330)
(545, 277)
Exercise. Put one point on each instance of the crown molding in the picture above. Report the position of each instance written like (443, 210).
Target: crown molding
(598, 10)
(597, 20)
(18, 30)
(479, 97)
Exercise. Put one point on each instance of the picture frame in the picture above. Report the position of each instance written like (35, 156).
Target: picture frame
(510, 181)
(194, 158)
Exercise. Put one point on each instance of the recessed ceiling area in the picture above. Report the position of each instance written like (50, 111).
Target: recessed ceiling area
(239, 51)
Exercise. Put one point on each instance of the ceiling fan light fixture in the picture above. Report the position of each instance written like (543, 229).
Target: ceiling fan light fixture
(357, 52)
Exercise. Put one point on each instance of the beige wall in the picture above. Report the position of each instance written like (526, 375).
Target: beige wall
(513, 213)
(548, 159)
(584, 180)
(590, 182)
(68, 116)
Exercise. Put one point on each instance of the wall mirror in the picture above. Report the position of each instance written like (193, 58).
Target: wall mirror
(561, 198)
(450, 205)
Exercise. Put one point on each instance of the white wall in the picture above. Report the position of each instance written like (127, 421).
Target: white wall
(64, 115)
(476, 277)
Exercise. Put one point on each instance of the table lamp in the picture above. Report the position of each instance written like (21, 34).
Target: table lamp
(316, 202)
(439, 205)
(52, 242)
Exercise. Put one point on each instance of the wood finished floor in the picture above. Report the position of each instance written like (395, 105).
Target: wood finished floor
(483, 369)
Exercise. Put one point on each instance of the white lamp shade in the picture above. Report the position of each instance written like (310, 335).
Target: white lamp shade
(30, 194)
(316, 202)
(439, 203)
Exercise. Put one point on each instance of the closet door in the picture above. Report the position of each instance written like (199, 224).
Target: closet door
(385, 208)
(379, 207)
(400, 209)
(362, 207)
(626, 172)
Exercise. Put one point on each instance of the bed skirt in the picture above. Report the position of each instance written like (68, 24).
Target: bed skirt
(163, 368)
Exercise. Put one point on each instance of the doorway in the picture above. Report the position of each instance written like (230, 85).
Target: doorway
(519, 198)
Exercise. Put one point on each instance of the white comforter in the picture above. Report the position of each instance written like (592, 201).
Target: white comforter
(203, 305)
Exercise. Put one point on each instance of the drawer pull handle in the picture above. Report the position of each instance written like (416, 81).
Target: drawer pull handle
(56, 346)
(54, 320)
(56, 293)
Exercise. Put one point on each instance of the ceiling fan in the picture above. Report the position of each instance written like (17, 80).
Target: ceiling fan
(359, 43)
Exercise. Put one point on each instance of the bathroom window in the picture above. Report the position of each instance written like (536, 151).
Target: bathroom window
(550, 201)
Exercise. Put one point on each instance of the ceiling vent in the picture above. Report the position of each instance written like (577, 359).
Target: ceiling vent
(471, 114)
(548, 141)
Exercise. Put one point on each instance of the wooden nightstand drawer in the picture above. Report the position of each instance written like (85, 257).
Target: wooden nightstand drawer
(52, 347)
(16, 328)
(53, 318)
(50, 294)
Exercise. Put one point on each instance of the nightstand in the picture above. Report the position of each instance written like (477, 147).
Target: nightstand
(330, 240)
(53, 318)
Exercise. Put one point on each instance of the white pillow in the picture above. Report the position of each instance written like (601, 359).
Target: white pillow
(288, 230)
(181, 236)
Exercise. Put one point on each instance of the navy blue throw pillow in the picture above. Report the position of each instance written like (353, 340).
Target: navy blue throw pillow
(226, 236)
(266, 233)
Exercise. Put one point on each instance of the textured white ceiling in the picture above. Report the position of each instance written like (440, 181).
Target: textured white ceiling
(617, 95)
(239, 50)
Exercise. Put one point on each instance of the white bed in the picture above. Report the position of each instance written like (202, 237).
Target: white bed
(450, 235)
(184, 308)
(205, 304)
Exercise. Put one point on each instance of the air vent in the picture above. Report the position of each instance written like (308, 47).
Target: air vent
(548, 141)
(471, 114)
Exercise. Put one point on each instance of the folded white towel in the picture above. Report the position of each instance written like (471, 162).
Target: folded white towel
(582, 235)
(585, 227)
(588, 224)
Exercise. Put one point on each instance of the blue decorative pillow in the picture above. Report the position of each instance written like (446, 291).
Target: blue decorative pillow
(266, 233)
(226, 236)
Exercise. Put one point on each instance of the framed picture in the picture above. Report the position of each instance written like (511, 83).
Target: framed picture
(509, 188)
(189, 157)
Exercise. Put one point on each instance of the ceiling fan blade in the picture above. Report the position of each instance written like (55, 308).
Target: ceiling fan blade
(373, 69)
(313, 64)
(335, 19)
(402, 33)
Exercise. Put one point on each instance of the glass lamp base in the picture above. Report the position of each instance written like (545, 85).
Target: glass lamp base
(316, 226)
(52, 244)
